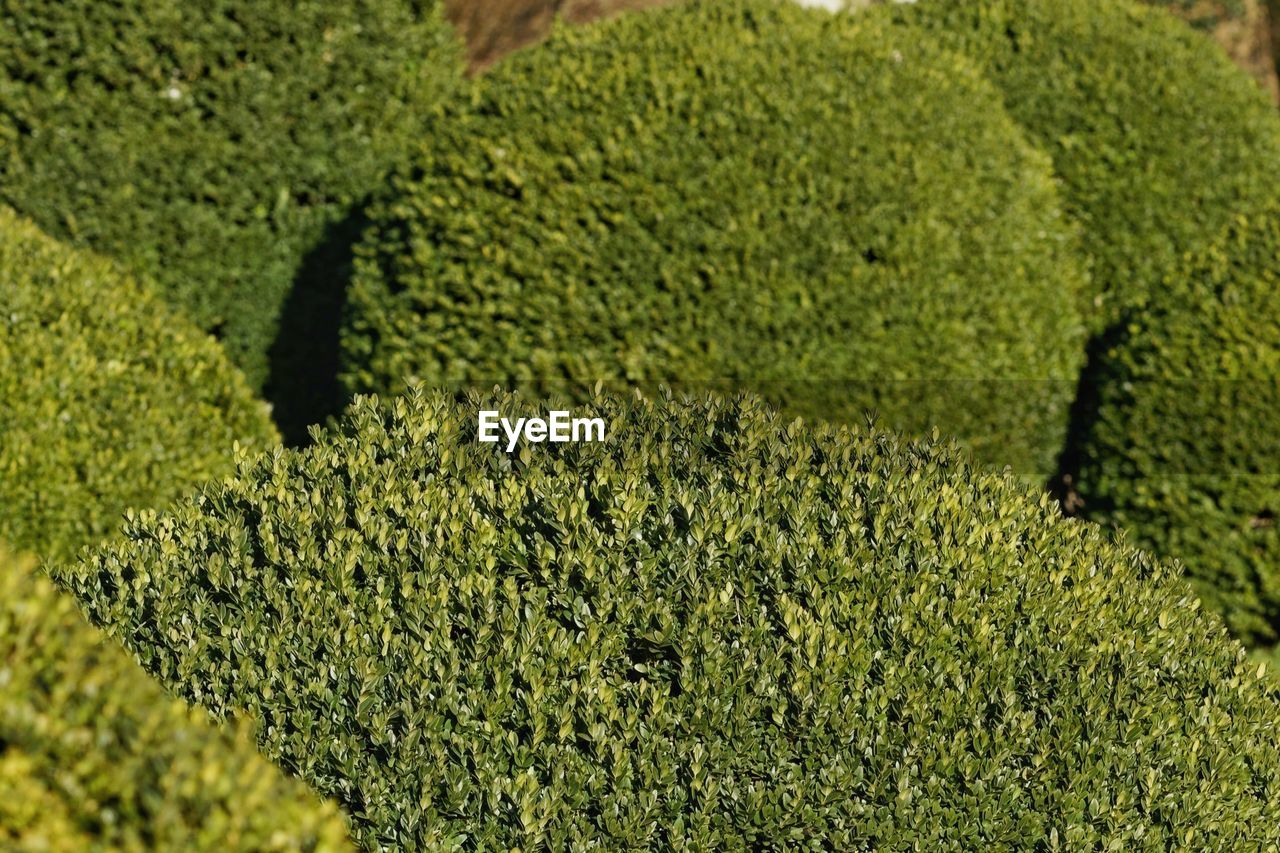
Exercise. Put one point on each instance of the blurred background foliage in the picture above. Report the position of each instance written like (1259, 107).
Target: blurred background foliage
(1247, 29)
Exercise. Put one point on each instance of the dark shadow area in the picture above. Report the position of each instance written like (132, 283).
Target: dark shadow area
(1084, 408)
(302, 385)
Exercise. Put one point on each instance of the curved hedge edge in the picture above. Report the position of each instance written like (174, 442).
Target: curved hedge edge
(111, 399)
(217, 147)
(1180, 446)
(715, 629)
(1157, 137)
(654, 220)
(93, 752)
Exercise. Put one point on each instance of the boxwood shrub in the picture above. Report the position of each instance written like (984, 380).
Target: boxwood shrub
(1183, 447)
(107, 398)
(716, 629)
(212, 144)
(828, 210)
(95, 755)
(1157, 137)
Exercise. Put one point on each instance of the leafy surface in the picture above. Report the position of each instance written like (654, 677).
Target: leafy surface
(714, 630)
(95, 755)
(108, 400)
(1159, 140)
(829, 211)
(212, 144)
(1183, 449)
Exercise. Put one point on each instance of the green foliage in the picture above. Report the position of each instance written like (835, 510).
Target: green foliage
(1203, 14)
(107, 400)
(1158, 138)
(1182, 446)
(95, 755)
(1160, 142)
(824, 209)
(714, 630)
(211, 144)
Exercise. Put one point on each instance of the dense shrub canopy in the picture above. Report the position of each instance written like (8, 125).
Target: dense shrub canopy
(713, 630)
(210, 144)
(1157, 137)
(824, 209)
(94, 754)
(1183, 448)
(107, 399)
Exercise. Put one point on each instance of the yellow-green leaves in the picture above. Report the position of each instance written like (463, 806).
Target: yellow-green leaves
(717, 629)
(1157, 138)
(108, 400)
(94, 754)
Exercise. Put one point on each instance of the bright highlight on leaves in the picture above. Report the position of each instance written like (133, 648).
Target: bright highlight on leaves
(94, 755)
(716, 629)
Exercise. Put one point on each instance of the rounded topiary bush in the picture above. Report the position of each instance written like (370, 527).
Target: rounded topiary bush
(107, 399)
(1183, 446)
(829, 211)
(1157, 137)
(95, 755)
(712, 630)
(212, 145)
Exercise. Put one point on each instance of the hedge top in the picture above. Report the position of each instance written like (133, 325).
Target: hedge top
(1158, 138)
(714, 630)
(211, 144)
(95, 755)
(1182, 449)
(828, 210)
(110, 401)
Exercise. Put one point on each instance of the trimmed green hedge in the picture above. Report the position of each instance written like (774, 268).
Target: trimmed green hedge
(1202, 14)
(107, 400)
(1158, 138)
(1183, 449)
(826, 210)
(713, 630)
(212, 144)
(95, 755)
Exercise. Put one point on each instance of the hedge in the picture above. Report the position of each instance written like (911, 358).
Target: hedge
(715, 629)
(213, 144)
(826, 210)
(1182, 446)
(95, 755)
(109, 399)
(1157, 137)
(1202, 15)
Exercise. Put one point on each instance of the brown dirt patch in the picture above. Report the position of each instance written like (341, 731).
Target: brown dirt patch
(494, 28)
(1248, 40)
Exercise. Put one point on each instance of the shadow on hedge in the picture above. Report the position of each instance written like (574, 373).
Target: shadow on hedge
(1084, 411)
(302, 386)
